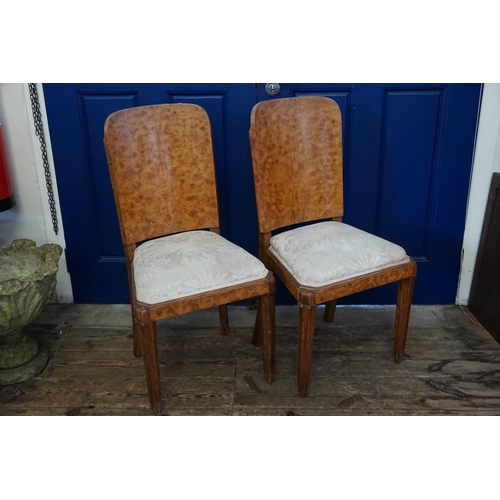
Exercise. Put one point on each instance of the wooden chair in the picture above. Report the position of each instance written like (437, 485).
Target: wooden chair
(296, 146)
(162, 171)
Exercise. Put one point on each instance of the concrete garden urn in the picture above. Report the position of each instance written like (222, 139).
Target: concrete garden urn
(27, 282)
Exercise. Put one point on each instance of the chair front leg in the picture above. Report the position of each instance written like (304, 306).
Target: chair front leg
(403, 308)
(307, 317)
(267, 326)
(151, 364)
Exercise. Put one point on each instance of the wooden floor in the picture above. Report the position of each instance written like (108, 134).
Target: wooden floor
(451, 367)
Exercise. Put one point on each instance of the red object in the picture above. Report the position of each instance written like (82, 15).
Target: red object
(6, 200)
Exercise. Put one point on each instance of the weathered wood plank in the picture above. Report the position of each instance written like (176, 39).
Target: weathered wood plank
(331, 412)
(97, 340)
(241, 411)
(116, 392)
(366, 403)
(460, 387)
(82, 411)
(467, 392)
(88, 338)
(173, 364)
(75, 411)
(468, 338)
(102, 339)
(50, 335)
(374, 364)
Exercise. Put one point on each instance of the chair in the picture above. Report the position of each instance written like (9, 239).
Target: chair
(162, 171)
(296, 146)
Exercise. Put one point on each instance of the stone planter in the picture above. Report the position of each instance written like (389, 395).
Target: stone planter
(27, 282)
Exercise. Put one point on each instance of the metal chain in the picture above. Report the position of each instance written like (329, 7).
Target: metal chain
(37, 118)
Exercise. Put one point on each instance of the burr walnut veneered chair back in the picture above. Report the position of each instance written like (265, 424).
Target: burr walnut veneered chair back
(296, 146)
(161, 165)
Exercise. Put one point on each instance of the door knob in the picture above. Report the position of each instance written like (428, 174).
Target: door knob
(272, 89)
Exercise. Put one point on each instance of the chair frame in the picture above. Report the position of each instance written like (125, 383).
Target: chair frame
(270, 219)
(119, 148)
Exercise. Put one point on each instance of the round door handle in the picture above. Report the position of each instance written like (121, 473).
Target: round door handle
(272, 89)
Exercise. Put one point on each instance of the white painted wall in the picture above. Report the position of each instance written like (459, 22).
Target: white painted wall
(486, 162)
(30, 217)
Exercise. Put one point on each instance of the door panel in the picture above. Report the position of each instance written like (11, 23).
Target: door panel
(407, 160)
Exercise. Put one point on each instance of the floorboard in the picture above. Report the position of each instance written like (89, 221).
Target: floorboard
(451, 367)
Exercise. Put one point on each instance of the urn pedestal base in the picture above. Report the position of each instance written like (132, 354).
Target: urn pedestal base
(21, 358)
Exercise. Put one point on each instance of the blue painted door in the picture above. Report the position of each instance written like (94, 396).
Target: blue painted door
(407, 161)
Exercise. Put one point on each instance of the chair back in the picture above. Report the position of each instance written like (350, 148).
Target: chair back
(296, 146)
(161, 165)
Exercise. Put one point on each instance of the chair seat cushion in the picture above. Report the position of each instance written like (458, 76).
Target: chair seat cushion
(328, 252)
(189, 263)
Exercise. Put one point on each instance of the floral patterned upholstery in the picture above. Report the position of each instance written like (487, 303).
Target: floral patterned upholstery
(190, 263)
(327, 252)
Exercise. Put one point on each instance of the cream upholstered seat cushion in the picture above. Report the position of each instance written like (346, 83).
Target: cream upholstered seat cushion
(328, 252)
(190, 263)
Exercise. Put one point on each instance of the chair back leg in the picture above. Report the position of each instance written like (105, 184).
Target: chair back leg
(224, 319)
(330, 311)
(257, 338)
(136, 336)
